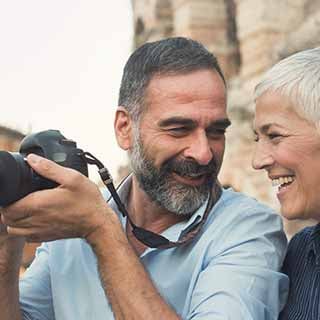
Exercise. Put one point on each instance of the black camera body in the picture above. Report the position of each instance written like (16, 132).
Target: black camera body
(18, 179)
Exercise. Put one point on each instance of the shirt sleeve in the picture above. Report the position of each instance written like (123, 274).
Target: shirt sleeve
(242, 281)
(35, 289)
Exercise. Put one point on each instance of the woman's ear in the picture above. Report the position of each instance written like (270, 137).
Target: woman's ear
(123, 128)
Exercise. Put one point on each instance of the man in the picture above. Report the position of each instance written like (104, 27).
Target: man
(219, 252)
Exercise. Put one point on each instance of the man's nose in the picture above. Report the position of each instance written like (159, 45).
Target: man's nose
(200, 150)
(262, 157)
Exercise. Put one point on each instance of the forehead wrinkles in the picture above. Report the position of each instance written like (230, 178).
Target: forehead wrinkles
(286, 118)
(273, 109)
(264, 120)
(188, 101)
(184, 89)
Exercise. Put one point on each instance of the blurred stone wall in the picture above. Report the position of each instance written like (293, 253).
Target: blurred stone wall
(247, 36)
(10, 139)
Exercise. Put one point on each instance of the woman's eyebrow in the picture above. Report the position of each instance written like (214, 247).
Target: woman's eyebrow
(265, 128)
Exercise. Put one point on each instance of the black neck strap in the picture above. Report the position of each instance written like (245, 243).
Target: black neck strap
(149, 238)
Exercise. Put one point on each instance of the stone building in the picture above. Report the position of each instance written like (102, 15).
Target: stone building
(247, 36)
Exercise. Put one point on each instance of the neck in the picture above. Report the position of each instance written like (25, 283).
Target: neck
(146, 213)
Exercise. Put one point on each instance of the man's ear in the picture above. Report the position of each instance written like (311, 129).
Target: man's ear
(123, 128)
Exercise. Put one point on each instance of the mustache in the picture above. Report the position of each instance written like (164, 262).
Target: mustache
(187, 167)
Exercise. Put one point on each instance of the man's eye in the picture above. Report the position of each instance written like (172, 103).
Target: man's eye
(178, 130)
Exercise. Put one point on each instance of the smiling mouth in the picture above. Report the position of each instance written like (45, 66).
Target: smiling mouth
(191, 179)
(282, 182)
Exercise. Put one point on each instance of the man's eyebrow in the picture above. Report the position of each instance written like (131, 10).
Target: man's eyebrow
(177, 121)
(220, 123)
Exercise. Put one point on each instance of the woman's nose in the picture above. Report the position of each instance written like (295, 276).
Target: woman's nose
(262, 157)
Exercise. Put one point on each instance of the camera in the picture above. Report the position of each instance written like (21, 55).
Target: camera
(18, 179)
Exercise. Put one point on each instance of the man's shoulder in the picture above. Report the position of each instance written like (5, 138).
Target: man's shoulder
(240, 204)
(243, 226)
(238, 213)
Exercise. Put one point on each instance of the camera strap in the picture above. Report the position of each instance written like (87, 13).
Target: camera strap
(147, 237)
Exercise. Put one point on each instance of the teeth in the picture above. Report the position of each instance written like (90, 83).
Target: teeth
(282, 180)
(194, 175)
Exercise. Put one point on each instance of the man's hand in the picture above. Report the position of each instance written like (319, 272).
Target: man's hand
(3, 230)
(74, 209)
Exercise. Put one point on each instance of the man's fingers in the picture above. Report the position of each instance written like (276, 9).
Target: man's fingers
(3, 227)
(53, 171)
(12, 231)
(46, 168)
(20, 232)
(20, 209)
(28, 206)
(31, 234)
(21, 223)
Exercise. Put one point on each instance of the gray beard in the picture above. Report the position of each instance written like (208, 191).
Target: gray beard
(162, 188)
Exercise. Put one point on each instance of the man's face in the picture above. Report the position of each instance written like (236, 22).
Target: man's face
(178, 148)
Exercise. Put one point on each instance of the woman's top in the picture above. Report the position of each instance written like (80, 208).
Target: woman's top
(302, 265)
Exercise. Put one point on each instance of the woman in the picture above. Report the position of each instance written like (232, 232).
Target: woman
(287, 128)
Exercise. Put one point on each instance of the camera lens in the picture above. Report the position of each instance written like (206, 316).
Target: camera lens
(15, 177)
(18, 179)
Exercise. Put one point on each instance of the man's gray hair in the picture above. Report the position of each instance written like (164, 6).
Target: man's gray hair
(169, 56)
(298, 78)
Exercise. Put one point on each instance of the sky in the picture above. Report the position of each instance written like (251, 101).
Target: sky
(60, 68)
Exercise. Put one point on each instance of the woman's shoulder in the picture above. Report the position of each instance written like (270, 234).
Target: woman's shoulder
(303, 237)
(299, 245)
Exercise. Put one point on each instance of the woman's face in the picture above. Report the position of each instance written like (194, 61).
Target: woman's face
(288, 148)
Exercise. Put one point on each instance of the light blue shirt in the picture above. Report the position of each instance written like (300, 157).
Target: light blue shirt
(228, 272)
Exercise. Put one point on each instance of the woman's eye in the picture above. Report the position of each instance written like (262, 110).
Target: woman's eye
(273, 136)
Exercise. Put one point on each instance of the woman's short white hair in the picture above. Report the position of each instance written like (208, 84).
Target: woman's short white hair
(298, 78)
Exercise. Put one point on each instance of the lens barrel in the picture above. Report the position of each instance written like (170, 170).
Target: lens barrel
(18, 179)
(15, 177)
